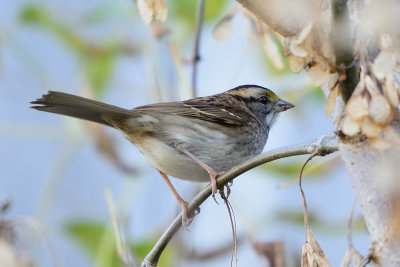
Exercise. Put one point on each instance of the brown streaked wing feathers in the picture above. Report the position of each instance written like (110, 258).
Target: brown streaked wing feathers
(200, 108)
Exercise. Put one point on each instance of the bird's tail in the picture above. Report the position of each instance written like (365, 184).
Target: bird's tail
(79, 107)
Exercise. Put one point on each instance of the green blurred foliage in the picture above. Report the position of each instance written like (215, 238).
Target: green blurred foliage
(36, 15)
(316, 93)
(98, 69)
(108, 11)
(327, 227)
(271, 69)
(290, 167)
(97, 58)
(186, 10)
(98, 240)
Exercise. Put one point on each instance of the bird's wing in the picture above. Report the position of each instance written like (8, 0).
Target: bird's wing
(200, 108)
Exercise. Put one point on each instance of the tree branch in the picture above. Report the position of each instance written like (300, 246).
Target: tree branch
(322, 146)
(343, 47)
(287, 17)
(375, 175)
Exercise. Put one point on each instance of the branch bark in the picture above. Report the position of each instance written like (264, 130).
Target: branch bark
(374, 174)
(286, 17)
(375, 178)
(322, 146)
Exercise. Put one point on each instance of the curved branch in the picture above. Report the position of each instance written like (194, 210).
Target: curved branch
(323, 146)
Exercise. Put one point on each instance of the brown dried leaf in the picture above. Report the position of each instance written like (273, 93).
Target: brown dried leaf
(271, 251)
(150, 10)
(350, 127)
(298, 50)
(333, 80)
(357, 108)
(351, 258)
(346, 261)
(304, 33)
(384, 64)
(318, 75)
(360, 88)
(296, 43)
(272, 51)
(296, 64)
(371, 85)
(379, 109)
(327, 50)
(386, 41)
(392, 90)
(159, 30)
(312, 254)
(388, 138)
(341, 108)
(331, 100)
(223, 28)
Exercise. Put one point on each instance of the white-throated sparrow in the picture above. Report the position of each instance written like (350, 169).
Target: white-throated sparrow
(196, 139)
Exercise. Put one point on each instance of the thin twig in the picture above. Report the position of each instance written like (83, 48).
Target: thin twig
(324, 145)
(314, 167)
(120, 241)
(305, 213)
(196, 53)
(350, 224)
(212, 252)
(233, 223)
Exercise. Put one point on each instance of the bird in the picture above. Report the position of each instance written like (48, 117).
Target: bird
(196, 140)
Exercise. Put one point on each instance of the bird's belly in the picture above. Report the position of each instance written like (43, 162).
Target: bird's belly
(173, 163)
(219, 150)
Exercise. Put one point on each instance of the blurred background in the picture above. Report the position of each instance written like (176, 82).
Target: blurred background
(61, 177)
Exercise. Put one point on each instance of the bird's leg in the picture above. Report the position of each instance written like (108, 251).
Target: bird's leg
(186, 220)
(213, 174)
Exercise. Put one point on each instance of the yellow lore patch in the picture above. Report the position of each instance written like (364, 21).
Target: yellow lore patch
(272, 95)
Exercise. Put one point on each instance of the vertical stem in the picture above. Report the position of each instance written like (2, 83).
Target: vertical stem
(196, 55)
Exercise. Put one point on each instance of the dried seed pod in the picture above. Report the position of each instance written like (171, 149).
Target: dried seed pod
(357, 107)
(331, 100)
(333, 80)
(383, 64)
(350, 127)
(379, 109)
(318, 74)
(392, 90)
(297, 44)
(370, 128)
(296, 63)
(150, 10)
(371, 85)
(272, 50)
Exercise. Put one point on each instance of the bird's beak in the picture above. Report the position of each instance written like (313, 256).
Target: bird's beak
(282, 105)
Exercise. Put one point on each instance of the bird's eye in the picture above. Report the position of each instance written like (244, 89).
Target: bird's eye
(263, 99)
